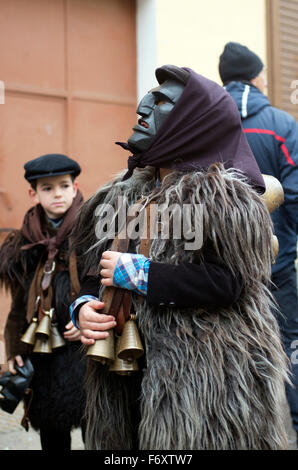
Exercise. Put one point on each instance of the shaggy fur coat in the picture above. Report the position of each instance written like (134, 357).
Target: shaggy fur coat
(211, 379)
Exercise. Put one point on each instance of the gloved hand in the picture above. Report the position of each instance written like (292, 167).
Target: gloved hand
(14, 386)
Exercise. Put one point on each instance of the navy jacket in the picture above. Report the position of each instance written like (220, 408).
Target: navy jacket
(273, 137)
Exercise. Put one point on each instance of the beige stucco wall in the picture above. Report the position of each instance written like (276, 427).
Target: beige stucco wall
(193, 33)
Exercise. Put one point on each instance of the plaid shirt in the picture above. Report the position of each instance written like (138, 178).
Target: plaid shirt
(81, 300)
(131, 272)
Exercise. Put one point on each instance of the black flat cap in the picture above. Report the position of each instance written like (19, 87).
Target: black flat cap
(52, 164)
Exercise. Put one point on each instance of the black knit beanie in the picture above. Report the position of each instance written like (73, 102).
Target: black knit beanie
(238, 63)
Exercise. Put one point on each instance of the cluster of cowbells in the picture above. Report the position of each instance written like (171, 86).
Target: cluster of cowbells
(122, 357)
(43, 335)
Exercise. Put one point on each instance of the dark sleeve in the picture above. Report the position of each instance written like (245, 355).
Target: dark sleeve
(209, 284)
(89, 286)
(16, 325)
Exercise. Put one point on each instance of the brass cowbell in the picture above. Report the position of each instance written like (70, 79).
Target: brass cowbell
(103, 350)
(57, 340)
(29, 335)
(43, 345)
(273, 197)
(130, 345)
(44, 327)
(122, 367)
(275, 247)
(43, 342)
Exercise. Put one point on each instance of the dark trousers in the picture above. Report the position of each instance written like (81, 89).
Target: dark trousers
(285, 294)
(53, 440)
(57, 440)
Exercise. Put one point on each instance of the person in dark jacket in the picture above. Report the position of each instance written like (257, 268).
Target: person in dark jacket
(39, 268)
(273, 137)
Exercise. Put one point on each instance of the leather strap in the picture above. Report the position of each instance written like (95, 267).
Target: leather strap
(37, 291)
(115, 298)
(74, 277)
(41, 285)
(34, 292)
(48, 274)
(27, 402)
(118, 301)
(145, 243)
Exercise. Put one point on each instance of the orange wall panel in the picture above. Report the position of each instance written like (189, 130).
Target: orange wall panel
(102, 47)
(69, 68)
(32, 42)
(96, 151)
(29, 127)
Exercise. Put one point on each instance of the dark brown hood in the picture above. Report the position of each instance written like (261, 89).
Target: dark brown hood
(204, 127)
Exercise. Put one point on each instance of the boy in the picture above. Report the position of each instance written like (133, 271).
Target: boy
(39, 268)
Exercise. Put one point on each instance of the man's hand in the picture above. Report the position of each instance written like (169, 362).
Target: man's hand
(11, 363)
(72, 333)
(108, 262)
(93, 324)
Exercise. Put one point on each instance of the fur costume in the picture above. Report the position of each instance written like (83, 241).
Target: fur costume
(212, 380)
(58, 394)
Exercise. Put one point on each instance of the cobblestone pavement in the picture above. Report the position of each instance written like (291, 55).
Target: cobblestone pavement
(14, 437)
(290, 431)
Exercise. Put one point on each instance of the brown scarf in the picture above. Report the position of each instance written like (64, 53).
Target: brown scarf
(36, 230)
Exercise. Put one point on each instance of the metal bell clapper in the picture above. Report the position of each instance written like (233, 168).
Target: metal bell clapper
(57, 340)
(103, 350)
(44, 327)
(29, 335)
(130, 345)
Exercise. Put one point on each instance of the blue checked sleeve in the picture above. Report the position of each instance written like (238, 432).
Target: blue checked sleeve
(131, 273)
(72, 309)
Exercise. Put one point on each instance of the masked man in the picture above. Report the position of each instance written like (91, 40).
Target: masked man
(213, 372)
